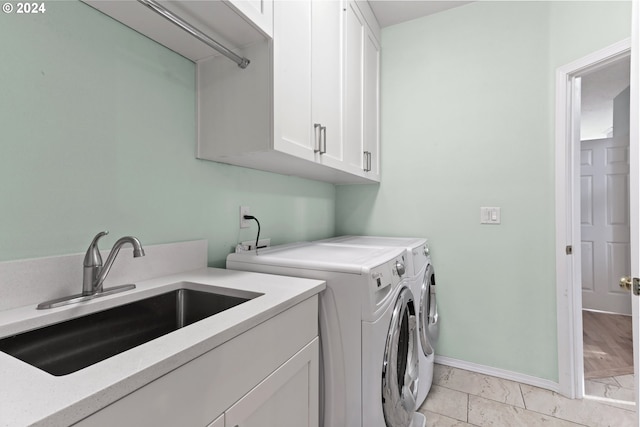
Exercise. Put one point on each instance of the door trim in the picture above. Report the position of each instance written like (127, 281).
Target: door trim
(567, 192)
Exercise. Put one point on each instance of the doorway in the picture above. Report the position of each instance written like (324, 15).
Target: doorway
(605, 232)
(573, 193)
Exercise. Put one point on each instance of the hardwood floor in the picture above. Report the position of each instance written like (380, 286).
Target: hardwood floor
(608, 345)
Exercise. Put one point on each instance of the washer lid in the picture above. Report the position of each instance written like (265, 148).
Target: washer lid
(400, 242)
(326, 257)
(416, 247)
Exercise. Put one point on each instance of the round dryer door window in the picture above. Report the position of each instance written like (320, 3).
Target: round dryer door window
(400, 367)
(428, 311)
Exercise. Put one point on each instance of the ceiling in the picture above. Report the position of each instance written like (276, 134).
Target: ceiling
(391, 12)
(598, 90)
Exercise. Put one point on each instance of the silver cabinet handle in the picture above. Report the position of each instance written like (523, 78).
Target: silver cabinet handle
(323, 132)
(367, 161)
(316, 134)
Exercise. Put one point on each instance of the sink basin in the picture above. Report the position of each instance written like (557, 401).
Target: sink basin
(69, 346)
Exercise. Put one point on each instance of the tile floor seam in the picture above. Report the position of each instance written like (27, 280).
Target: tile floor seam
(537, 412)
(524, 402)
(468, 407)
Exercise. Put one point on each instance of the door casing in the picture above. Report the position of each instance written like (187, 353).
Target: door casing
(568, 266)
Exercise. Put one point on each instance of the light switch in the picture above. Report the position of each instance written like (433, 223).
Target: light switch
(489, 215)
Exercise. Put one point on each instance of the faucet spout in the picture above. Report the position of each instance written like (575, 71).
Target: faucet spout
(104, 271)
(94, 272)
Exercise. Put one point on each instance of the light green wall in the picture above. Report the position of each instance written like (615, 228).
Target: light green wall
(467, 121)
(98, 132)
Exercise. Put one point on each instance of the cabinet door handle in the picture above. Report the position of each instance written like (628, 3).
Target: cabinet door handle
(323, 133)
(367, 161)
(317, 135)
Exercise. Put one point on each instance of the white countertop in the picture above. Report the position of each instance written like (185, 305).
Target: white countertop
(30, 396)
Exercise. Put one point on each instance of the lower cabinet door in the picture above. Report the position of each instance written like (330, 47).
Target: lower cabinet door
(286, 398)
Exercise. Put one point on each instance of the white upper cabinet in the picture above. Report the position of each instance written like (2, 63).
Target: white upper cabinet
(354, 78)
(371, 102)
(303, 106)
(306, 105)
(327, 85)
(361, 100)
(292, 79)
(259, 12)
(233, 23)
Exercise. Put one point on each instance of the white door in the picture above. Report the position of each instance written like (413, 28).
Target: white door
(292, 78)
(634, 199)
(371, 103)
(326, 80)
(604, 187)
(353, 97)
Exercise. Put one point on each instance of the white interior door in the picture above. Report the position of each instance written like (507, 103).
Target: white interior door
(634, 184)
(604, 196)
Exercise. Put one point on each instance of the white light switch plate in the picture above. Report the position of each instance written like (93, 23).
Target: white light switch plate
(489, 215)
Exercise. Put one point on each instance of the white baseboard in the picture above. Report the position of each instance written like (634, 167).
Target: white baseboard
(497, 372)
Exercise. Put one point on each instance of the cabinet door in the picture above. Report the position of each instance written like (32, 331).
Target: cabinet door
(372, 103)
(292, 78)
(353, 99)
(259, 12)
(286, 398)
(326, 79)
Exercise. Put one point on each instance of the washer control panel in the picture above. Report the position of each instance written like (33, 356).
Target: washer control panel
(399, 268)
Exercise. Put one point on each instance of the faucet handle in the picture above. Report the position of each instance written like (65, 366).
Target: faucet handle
(93, 258)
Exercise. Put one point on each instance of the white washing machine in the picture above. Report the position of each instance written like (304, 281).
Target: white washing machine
(422, 282)
(368, 329)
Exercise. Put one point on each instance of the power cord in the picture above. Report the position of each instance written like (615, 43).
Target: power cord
(257, 222)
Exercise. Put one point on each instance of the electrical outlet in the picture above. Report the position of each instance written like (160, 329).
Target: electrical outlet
(250, 245)
(245, 223)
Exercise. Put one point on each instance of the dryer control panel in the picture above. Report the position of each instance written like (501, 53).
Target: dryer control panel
(421, 256)
(383, 282)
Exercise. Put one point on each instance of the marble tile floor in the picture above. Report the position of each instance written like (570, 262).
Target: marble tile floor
(460, 398)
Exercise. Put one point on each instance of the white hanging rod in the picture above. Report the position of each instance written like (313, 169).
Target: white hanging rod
(175, 19)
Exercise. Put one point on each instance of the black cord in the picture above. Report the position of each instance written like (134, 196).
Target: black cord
(257, 222)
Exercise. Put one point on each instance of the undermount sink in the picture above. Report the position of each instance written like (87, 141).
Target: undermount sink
(69, 346)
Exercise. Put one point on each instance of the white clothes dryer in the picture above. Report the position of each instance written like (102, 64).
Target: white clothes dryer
(368, 329)
(421, 278)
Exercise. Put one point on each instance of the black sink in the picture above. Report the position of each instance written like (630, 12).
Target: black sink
(66, 347)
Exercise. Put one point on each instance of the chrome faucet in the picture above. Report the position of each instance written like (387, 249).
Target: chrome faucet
(94, 272)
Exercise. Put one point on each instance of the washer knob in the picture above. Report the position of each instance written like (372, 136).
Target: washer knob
(400, 268)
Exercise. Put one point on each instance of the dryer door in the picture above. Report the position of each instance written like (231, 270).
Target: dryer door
(428, 312)
(400, 366)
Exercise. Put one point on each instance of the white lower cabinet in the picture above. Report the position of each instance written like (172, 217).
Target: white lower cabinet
(285, 398)
(266, 376)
